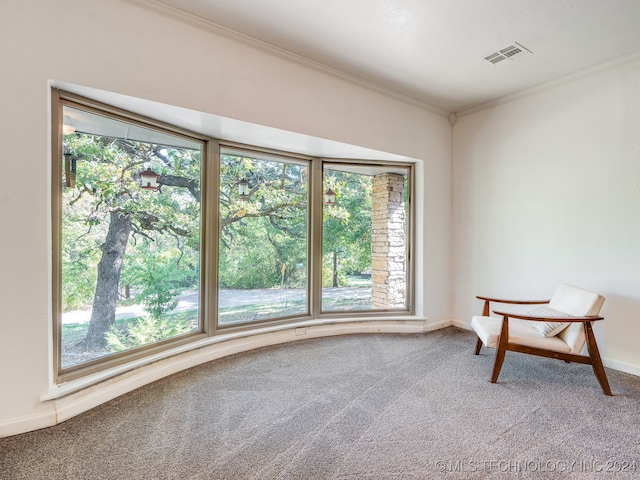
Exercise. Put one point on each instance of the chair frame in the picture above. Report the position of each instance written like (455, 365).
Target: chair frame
(505, 345)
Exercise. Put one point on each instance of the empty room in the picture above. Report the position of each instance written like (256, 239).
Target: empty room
(303, 239)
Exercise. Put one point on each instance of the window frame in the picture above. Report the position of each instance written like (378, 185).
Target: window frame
(210, 233)
(60, 99)
(276, 156)
(409, 274)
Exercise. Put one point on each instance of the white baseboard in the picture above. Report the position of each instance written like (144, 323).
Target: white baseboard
(27, 423)
(622, 367)
(459, 324)
(432, 327)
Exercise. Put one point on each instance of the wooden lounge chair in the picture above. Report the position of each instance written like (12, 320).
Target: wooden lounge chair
(559, 329)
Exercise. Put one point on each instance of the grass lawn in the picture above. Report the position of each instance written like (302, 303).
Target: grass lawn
(74, 333)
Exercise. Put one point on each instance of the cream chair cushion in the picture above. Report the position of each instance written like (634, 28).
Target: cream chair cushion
(567, 301)
(576, 301)
(520, 332)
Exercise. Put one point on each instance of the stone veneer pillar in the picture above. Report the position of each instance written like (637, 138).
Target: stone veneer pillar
(388, 242)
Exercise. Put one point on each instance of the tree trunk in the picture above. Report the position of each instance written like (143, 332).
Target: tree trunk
(103, 314)
(335, 269)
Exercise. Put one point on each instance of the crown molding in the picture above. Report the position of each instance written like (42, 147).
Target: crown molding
(572, 77)
(193, 20)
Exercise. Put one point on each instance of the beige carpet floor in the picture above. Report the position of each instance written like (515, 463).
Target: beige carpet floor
(379, 406)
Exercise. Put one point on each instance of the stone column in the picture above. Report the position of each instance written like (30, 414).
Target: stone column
(388, 242)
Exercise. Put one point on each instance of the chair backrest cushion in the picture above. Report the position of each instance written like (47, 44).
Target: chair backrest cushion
(576, 301)
(566, 301)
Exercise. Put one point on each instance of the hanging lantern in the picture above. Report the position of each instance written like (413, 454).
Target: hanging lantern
(243, 189)
(68, 129)
(149, 180)
(329, 197)
(69, 170)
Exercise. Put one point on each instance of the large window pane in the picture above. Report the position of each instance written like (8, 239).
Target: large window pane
(130, 243)
(263, 248)
(130, 207)
(364, 238)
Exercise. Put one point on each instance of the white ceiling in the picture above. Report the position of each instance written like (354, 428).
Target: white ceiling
(432, 50)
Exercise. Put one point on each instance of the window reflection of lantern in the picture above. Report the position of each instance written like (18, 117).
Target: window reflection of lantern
(149, 180)
(243, 189)
(329, 197)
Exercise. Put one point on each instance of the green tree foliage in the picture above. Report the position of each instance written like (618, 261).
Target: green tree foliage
(106, 212)
(261, 233)
(145, 331)
(154, 269)
(346, 240)
(263, 237)
(80, 255)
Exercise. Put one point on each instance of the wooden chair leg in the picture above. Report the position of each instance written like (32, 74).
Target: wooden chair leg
(497, 365)
(478, 346)
(594, 354)
(500, 349)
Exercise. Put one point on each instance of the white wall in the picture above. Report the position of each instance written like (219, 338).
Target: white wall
(118, 47)
(547, 190)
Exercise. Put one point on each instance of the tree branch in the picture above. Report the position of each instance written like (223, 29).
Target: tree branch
(262, 213)
(138, 231)
(85, 189)
(176, 181)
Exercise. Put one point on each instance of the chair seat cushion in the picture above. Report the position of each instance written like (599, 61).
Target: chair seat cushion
(520, 332)
(547, 329)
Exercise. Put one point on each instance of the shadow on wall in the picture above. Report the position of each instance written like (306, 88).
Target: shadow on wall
(622, 321)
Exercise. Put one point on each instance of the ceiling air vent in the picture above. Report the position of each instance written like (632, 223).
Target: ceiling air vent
(506, 54)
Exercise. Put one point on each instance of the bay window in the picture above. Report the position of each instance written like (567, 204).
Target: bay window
(163, 236)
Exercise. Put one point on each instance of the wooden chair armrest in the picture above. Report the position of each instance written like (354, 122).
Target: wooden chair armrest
(513, 302)
(537, 318)
(488, 300)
